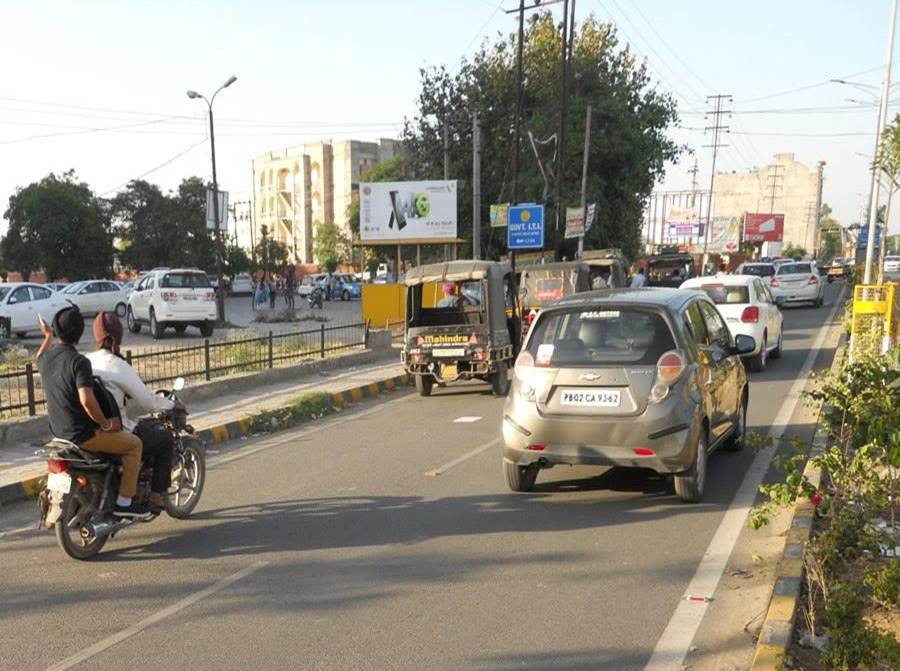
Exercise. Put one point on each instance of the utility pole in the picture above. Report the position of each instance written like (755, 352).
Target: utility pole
(818, 219)
(446, 134)
(561, 143)
(716, 129)
(476, 187)
(876, 183)
(773, 183)
(584, 169)
(694, 183)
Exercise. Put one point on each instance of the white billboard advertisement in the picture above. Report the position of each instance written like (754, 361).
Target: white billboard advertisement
(397, 211)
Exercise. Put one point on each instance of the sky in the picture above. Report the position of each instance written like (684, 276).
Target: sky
(99, 86)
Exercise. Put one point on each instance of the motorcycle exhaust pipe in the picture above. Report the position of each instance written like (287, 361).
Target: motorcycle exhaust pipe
(103, 528)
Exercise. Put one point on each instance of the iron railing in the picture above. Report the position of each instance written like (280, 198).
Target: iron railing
(21, 391)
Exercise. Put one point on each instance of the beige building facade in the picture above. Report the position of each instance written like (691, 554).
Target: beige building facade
(297, 188)
(786, 187)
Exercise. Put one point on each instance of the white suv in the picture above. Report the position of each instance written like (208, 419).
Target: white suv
(178, 297)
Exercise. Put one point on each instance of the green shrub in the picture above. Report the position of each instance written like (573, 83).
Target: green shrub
(885, 584)
(308, 406)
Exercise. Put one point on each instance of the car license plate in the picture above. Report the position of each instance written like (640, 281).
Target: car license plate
(188, 297)
(59, 482)
(450, 352)
(597, 398)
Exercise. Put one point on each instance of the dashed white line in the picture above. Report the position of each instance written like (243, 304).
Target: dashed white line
(434, 472)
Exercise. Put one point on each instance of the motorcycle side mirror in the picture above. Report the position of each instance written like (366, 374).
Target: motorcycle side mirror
(178, 385)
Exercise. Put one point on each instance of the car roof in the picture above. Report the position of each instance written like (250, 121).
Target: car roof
(758, 263)
(672, 299)
(733, 280)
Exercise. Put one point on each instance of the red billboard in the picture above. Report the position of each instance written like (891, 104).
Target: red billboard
(763, 227)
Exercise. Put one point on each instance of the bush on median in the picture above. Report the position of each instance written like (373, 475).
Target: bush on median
(306, 407)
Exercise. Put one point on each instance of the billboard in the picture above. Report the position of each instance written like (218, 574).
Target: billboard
(211, 212)
(397, 211)
(763, 227)
(683, 222)
(499, 215)
(575, 223)
(863, 240)
(724, 235)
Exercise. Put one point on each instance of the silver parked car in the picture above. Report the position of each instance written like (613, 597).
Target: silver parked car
(647, 378)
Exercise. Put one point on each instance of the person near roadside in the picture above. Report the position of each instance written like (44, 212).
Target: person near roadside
(76, 415)
(332, 286)
(639, 280)
(272, 294)
(135, 401)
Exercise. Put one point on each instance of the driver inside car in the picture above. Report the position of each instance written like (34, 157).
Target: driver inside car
(136, 401)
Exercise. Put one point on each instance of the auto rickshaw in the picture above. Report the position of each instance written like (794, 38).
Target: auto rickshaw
(607, 268)
(462, 323)
(542, 284)
(669, 269)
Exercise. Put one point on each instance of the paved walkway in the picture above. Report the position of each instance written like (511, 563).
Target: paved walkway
(20, 462)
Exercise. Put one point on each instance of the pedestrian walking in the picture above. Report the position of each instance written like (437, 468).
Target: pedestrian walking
(271, 295)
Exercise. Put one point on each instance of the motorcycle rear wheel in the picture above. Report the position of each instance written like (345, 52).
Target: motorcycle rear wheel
(70, 537)
(188, 478)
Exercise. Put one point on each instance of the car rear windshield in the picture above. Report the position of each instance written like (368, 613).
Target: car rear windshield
(185, 281)
(759, 271)
(727, 295)
(795, 269)
(601, 336)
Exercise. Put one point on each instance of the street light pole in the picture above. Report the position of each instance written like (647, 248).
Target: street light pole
(876, 183)
(220, 288)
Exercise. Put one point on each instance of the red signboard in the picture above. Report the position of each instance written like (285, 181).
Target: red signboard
(763, 227)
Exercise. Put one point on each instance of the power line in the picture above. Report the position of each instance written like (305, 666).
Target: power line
(482, 29)
(83, 130)
(812, 86)
(716, 129)
(155, 168)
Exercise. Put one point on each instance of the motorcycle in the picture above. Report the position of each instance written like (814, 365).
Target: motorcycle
(315, 298)
(81, 489)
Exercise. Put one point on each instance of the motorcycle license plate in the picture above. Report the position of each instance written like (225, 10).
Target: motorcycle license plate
(59, 482)
(598, 398)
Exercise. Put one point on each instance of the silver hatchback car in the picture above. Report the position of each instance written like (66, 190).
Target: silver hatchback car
(646, 378)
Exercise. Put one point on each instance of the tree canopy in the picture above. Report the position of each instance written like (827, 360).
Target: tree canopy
(331, 245)
(628, 144)
(60, 226)
(271, 254)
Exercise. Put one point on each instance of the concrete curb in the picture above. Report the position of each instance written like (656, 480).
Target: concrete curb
(778, 627)
(220, 433)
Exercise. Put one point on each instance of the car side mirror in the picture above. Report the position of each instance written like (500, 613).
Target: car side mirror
(780, 301)
(83, 291)
(12, 299)
(744, 344)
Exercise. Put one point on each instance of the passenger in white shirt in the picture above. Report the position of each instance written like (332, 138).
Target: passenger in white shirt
(135, 401)
(638, 280)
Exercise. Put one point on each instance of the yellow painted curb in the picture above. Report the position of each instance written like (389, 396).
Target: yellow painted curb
(356, 394)
(219, 433)
(374, 389)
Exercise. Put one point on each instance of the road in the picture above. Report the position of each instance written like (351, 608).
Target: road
(335, 546)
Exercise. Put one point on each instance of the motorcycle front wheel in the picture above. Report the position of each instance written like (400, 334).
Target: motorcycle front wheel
(73, 532)
(188, 478)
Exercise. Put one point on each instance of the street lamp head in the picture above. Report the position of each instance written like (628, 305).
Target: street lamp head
(193, 94)
(231, 80)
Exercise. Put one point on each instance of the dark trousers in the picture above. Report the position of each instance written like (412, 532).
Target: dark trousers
(159, 447)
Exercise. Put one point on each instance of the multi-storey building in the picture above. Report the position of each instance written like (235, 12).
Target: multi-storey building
(297, 188)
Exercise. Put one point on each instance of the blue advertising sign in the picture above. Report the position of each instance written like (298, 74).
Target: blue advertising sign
(525, 228)
(863, 240)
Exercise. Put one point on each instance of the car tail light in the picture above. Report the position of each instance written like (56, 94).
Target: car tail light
(669, 367)
(169, 296)
(537, 447)
(643, 452)
(813, 280)
(56, 466)
(775, 282)
(750, 315)
(210, 295)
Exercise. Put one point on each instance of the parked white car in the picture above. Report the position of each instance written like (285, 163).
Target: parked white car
(93, 296)
(798, 282)
(749, 308)
(179, 298)
(892, 264)
(242, 284)
(309, 281)
(22, 302)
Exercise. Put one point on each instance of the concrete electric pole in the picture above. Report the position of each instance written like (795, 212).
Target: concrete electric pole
(476, 187)
(717, 112)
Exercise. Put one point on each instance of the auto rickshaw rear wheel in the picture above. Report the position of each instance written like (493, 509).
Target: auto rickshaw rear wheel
(424, 383)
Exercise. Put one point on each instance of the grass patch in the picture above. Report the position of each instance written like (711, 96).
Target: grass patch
(288, 316)
(309, 406)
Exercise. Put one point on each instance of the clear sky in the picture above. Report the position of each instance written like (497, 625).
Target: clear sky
(312, 69)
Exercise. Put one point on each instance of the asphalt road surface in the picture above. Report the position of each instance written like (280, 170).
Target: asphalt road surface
(385, 538)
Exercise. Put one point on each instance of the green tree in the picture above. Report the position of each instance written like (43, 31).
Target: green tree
(272, 254)
(236, 259)
(628, 145)
(331, 245)
(830, 235)
(792, 251)
(887, 161)
(60, 226)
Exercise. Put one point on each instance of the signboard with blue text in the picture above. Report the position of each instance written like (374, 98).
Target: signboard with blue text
(863, 240)
(525, 228)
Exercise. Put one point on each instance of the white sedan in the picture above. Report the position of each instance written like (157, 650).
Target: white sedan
(22, 302)
(798, 282)
(93, 296)
(748, 308)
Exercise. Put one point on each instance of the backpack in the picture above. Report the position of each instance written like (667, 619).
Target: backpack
(106, 400)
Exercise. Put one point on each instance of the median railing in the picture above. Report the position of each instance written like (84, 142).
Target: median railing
(21, 392)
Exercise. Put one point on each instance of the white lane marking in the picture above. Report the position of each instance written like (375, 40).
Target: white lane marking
(673, 645)
(466, 419)
(293, 437)
(434, 472)
(138, 627)
(20, 530)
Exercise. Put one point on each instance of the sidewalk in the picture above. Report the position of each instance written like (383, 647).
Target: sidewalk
(19, 463)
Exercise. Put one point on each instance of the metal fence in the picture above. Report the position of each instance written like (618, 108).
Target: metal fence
(21, 392)
(397, 330)
(875, 328)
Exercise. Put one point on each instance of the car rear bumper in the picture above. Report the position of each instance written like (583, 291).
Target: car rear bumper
(669, 430)
(801, 294)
